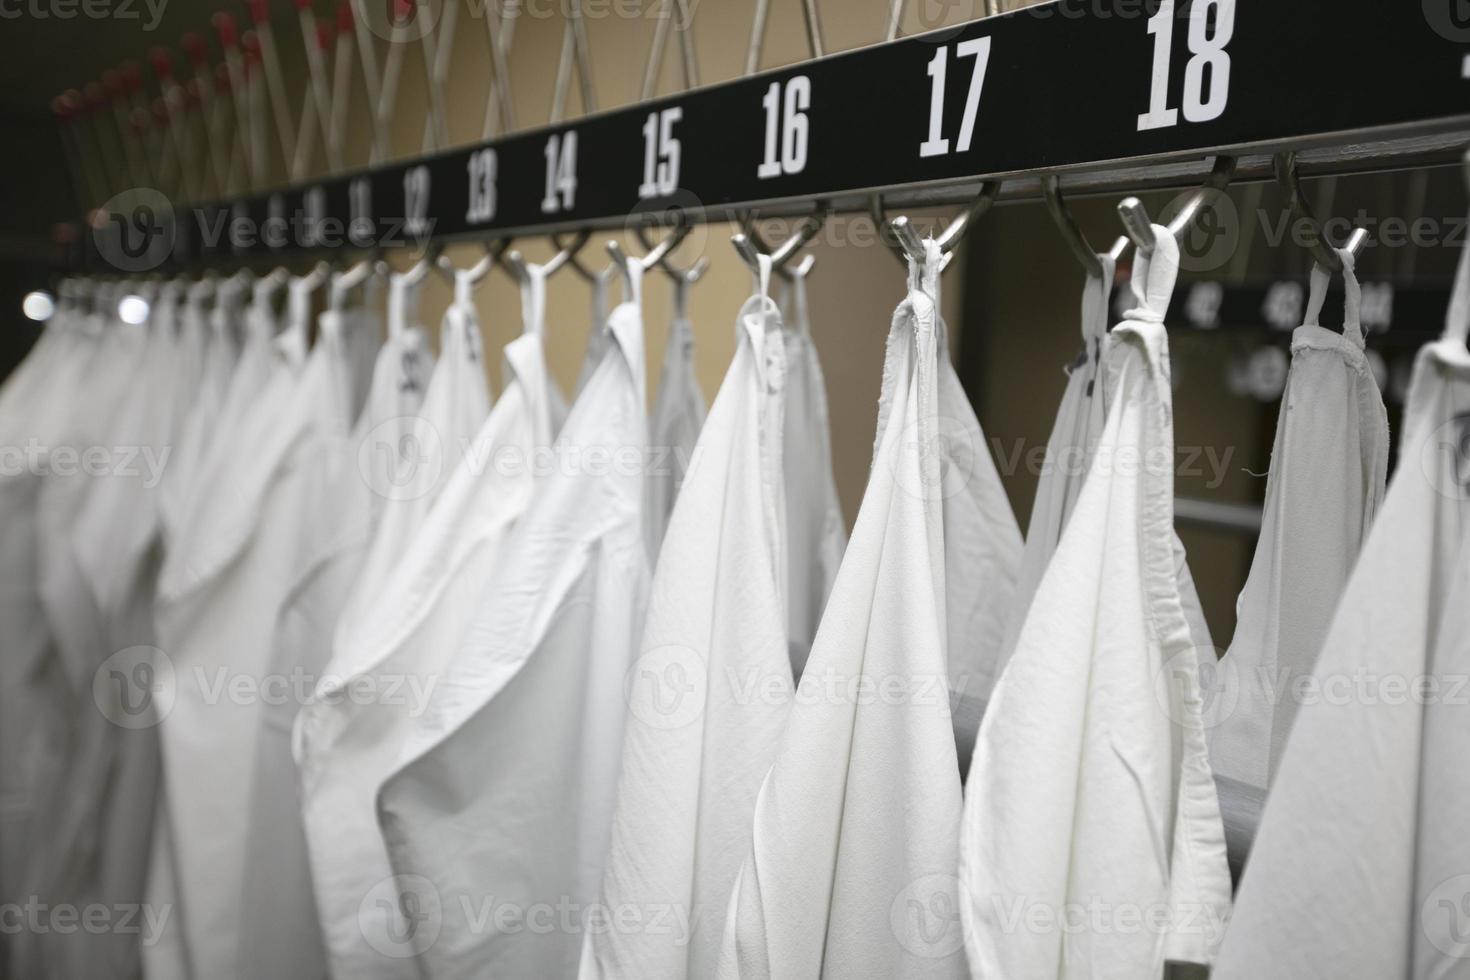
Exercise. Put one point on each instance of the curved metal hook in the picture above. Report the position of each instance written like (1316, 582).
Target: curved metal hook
(750, 242)
(1317, 243)
(688, 276)
(907, 244)
(656, 254)
(493, 252)
(1139, 226)
(1051, 193)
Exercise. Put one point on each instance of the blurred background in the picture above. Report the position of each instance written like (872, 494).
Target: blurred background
(1012, 299)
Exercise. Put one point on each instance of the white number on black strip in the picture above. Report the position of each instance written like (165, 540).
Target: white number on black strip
(660, 154)
(937, 144)
(1205, 92)
(786, 127)
(482, 167)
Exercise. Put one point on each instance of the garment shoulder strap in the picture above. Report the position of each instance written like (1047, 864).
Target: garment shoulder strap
(1352, 323)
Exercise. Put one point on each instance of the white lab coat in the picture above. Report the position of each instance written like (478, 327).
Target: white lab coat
(1329, 464)
(673, 428)
(349, 743)
(1090, 806)
(815, 544)
(712, 687)
(505, 797)
(1358, 871)
(859, 814)
(1069, 450)
(216, 620)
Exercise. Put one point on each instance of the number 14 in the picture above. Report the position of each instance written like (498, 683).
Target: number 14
(937, 145)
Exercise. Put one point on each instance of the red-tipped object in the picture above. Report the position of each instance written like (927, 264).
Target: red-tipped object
(95, 96)
(75, 99)
(139, 120)
(402, 11)
(61, 109)
(196, 49)
(250, 41)
(260, 11)
(344, 16)
(323, 35)
(303, 4)
(160, 113)
(222, 77)
(132, 77)
(191, 94)
(112, 84)
(224, 26)
(163, 63)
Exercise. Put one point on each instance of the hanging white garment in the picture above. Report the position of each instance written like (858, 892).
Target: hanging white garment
(484, 818)
(709, 694)
(1358, 872)
(673, 429)
(216, 620)
(1090, 802)
(814, 545)
(1069, 451)
(1329, 464)
(597, 335)
(351, 733)
(867, 760)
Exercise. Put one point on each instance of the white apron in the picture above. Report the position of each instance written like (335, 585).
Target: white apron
(1069, 450)
(673, 428)
(1329, 464)
(351, 733)
(1090, 804)
(216, 620)
(858, 817)
(1359, 869)
(710, 692)
(503, 805)
(814, 545)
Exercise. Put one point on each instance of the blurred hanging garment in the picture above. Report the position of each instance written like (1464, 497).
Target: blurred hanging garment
(710, 692)
(868, 754)
(216, 622)
(1359, 869)
(815, 544)
(351, 733)
(1091, 786)
(1069, 451)
(1329, 464)
(280, 933)
(673, 429)
(504, 798)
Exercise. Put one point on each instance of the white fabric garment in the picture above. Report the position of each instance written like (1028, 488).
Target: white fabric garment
(709, 694)
(678, 415)
(280, 936)
(1074, 435)
(217, 618)
(859, 814)
(1090, 798)
(349, 745)
(815, 544)
(1359, 869)
(1329, 465)
(597, 335)
(506, 793)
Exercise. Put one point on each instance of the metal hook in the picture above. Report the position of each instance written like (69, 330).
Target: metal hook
(580, 269)
(1317, 243)
(1139, 226)
(671, 242)
(908, 243)
(516, 262)
(786, 250)
(688, 276)
(1051, 193)
(494, 251)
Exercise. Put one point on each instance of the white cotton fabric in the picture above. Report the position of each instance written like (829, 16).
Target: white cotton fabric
(1358, 871)
(856, 824)
(673, 428)
(1329, 466)
(216, 621)
(1069, 450)
(347, 745)
(505, 796)
(1090, 787)
(711, 689)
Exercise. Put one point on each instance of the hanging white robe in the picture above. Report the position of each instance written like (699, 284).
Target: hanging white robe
(673, 428)
(710, 692)
(859, 814)
(1359, 868)
(505, 796)
(351, 733)
(1092, 844)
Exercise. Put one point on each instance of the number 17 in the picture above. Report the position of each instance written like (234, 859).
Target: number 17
(937, 145)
